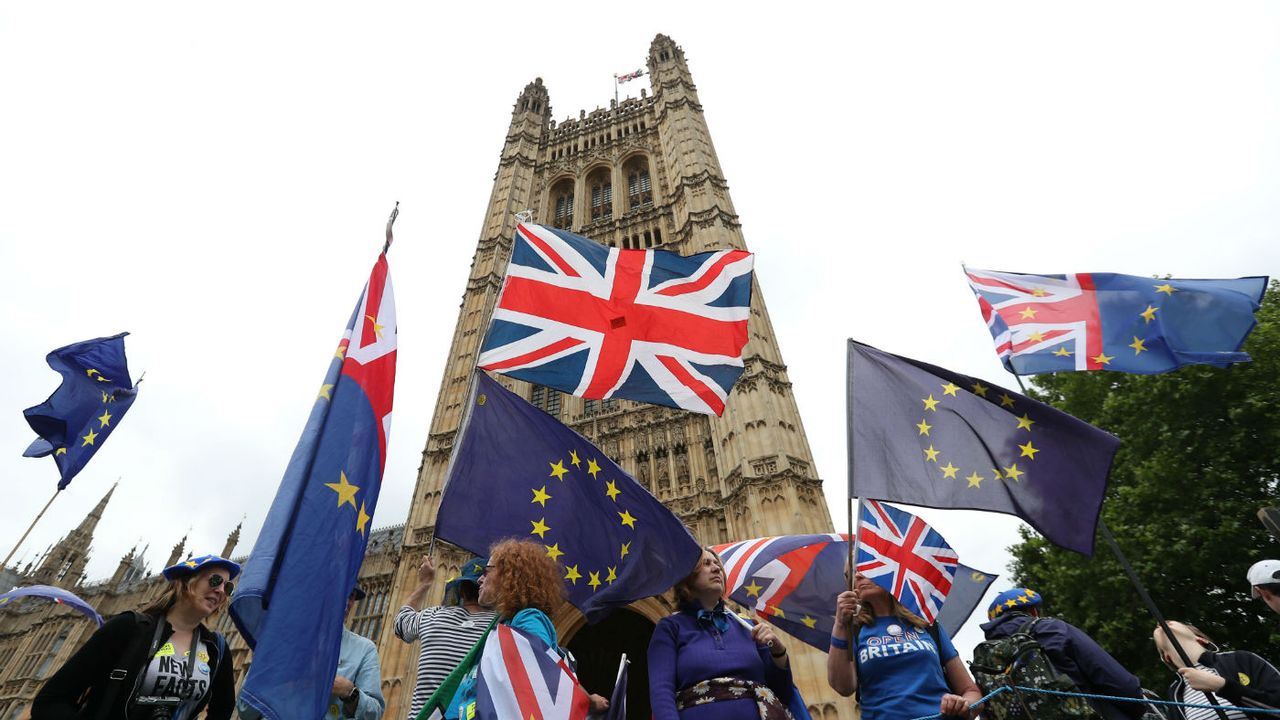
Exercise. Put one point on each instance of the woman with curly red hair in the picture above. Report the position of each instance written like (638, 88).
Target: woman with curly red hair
(523, 585)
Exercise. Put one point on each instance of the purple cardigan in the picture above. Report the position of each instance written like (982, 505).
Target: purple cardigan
(685, 651)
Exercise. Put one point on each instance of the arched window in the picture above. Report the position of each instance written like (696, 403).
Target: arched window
(562, 205)
(639, 188)
(601, 183)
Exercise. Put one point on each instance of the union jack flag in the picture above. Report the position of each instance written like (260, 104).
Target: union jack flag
(1029, 314)
(635, 74)
(903, 555)
(520, 677)
(599, 322)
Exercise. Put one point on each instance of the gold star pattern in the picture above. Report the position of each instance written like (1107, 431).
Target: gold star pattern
(930, 403)
(1006, 400)
(594, 582)
(979, 389)
(1139, 346)
(324, 392)
(1039, 292)
(558, 470)
(1062, 352)
(626, 548)
(341, 352)
(1028, 313)
(949, 470)
(1028, 451)
(540, 527)
(540, 496)
(571, 574)
(88, 439)
(613, 574)
(612, 490)
(995, 474)
(777, 612)
(592, 468)
(1103, 359)
(377, 329)
(1025, 422)
(1150, 313)
(753, 590)
(1036, 336)
(105, 418)
(346, 491)
(362, 519)
(809, 622)
(1010, 602)
(553, 551)
(950, 389)
(975, 480)
(107, 398)
(930, 454)
(1013, 473)
(1167, 289)
(627, 519)
(573, 459)
(60, 451)
(923, 427)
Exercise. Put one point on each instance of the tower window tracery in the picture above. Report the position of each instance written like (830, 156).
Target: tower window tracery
(639, 187)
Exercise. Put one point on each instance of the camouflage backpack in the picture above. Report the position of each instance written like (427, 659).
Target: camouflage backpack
(1018, 659)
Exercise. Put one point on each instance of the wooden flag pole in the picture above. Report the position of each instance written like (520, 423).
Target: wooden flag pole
(29, 529)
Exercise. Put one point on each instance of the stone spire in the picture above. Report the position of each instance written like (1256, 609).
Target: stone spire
(232, 540)
(64, 564)
(176, 555)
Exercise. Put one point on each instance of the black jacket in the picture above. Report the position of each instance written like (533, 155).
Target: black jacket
(1251, 681)
(122, 644)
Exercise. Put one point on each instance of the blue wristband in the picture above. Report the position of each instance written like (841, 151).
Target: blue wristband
(839, 644)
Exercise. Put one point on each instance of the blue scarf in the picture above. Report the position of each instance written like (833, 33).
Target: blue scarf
(717, 616)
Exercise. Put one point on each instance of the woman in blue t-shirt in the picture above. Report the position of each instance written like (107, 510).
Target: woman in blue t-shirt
(899, 665)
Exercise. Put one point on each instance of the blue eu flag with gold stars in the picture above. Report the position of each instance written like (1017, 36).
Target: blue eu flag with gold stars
(77, 418)
(926, 436)
(518, 472)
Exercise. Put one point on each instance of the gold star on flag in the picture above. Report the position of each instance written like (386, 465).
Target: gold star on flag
(923, 427)
(753, 590)
(931, 454)
(1013, 473)
(573, 459)
(777, 612)
(1167, 289)
(362, 519)
(613, 574)
(1028, 451)
(324, 391)
(949, 470)
(930, 403)
(88, 439)
(594, 582)
(1039, 292)
(558, 470)
(611, 489)
(950, 389)
(540, 527)
(1103, 359)
(1025, 422)
(979, 389)
(626, 548)
(809, 622)
(1027, 313)
(1036, 336)
(105, 418)
(592, 468)
(1006, 400)
(995, 474)
(975, 480)
(1138, 345)
(346, 491)
(540, 496)
(377, 329)
(1150, 313)
(60, 451)
(341, 352)
(572, 574)
(1062, 352)
(553, 551)
(627, 519)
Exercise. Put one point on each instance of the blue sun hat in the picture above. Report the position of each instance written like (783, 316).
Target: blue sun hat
(471, 571)
(1012, 600)
(196, 564)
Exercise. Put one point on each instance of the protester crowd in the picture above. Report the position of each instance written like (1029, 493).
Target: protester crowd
(705, 662)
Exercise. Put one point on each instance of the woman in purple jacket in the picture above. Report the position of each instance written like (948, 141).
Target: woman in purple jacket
(706, 664)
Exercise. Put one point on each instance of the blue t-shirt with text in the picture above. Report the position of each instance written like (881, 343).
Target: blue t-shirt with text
(900, 670)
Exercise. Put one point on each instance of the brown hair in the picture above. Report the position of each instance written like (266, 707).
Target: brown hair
(530, 579)
(864, 616)
(684, 589)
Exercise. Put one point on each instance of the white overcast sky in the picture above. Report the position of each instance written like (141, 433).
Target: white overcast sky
(214, 179)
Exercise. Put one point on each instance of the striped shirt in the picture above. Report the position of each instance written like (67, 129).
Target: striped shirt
(1195, 697)
(447, 634)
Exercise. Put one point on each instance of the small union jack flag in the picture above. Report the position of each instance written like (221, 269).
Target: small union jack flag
(600, 322)
(903, 555)
(520, 677)
(634, 75)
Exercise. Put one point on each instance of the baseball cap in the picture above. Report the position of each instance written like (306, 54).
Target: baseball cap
(1263, 572)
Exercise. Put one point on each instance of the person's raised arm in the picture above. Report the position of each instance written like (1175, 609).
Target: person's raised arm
(842, 672)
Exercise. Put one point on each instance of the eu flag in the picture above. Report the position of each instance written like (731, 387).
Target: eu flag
(926, 436)
(91, 401)
(518, 472)
(967, 589)
(292, 594)
(1106, 321)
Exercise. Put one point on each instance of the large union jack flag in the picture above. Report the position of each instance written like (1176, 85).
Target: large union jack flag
(601, 322)
(903, 555)
(1034, 314)
(520, 677)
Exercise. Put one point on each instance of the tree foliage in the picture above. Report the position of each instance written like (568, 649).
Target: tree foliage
(1200, 456)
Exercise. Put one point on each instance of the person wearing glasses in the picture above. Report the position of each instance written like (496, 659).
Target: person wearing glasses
(155, 664)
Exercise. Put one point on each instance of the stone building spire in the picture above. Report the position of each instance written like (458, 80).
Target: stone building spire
(232, 540)
(176, 555)
(64, 564)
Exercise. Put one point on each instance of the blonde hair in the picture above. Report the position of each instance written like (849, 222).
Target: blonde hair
(864, 616)
(167, 599)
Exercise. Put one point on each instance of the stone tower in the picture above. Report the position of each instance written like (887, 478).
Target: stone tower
(641, 174)
(64, 564)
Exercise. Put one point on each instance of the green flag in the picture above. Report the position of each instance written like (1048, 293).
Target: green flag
(438, 703)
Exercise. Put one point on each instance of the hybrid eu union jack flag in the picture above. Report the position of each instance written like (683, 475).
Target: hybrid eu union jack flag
(1106, 321)
(903, 555)
(600, 322)
(521, 677)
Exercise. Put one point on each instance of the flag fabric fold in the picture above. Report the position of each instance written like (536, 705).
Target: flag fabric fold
(521, 677)
(923, 435)
(293, 591)
(518, 472)
(967, 589)
(601, 322)
(1107, 321)
(86, 408)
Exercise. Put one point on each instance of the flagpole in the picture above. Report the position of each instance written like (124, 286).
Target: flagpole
(855, 535)
(1142, 589)
(29, 529)
(615, 89)
(395, 213)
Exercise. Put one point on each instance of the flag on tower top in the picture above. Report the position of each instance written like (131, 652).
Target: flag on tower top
(635, 74)
(602, 322)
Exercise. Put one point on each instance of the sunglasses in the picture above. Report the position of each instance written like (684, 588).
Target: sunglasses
(218, 581)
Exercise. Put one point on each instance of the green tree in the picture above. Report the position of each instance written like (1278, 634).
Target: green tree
(1200, 456)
